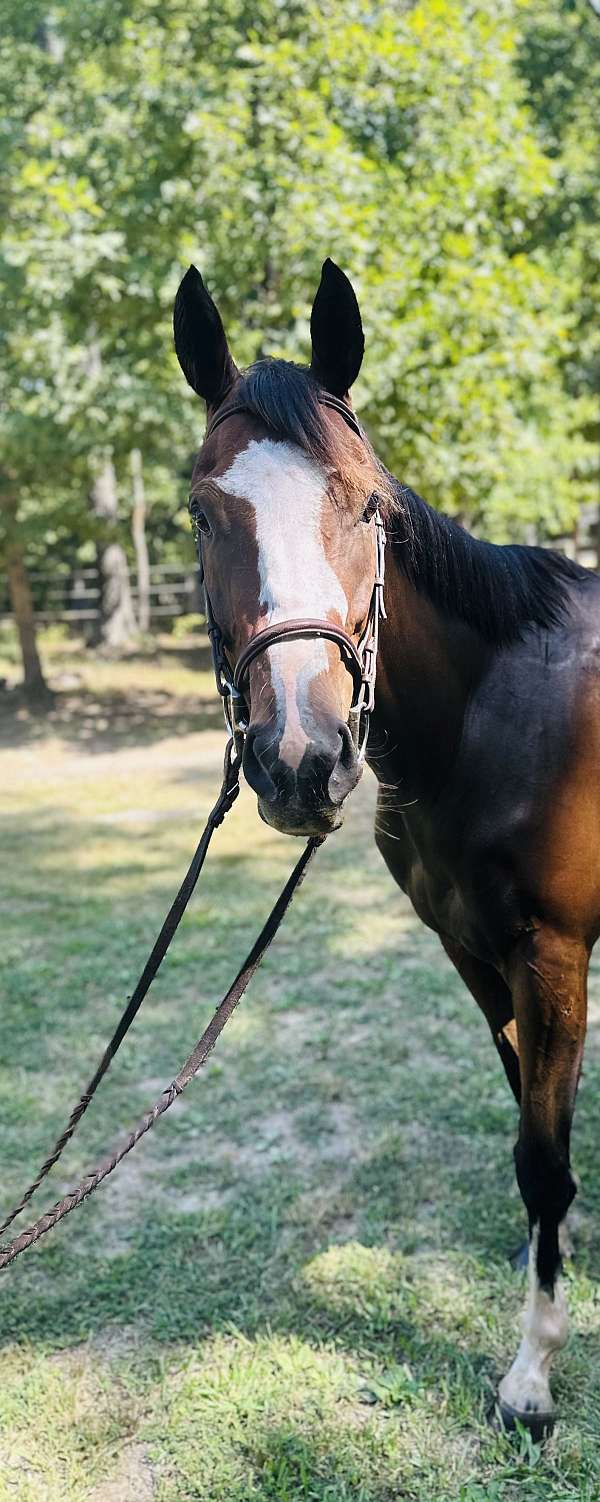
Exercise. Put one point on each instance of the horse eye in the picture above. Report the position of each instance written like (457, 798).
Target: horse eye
(199, 517)
(370, 507)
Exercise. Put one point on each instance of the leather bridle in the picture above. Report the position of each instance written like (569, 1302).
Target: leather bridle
(360, 658)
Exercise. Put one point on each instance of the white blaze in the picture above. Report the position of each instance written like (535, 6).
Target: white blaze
(287, 489)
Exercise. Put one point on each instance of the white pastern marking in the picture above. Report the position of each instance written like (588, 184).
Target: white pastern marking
(545, 1325)
(287, 489)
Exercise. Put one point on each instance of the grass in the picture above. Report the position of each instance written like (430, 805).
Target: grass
(297, 1289)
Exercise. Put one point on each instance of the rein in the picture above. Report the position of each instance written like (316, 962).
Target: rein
(360, 659)
(229, 790)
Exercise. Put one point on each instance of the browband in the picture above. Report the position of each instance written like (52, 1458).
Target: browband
(324, 397)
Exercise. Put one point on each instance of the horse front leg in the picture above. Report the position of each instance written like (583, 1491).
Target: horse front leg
(494, 998)
(548, 978)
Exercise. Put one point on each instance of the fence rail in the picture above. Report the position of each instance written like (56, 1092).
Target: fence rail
(75, 598)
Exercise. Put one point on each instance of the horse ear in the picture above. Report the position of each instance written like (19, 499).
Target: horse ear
(200, 340)
(338, 342)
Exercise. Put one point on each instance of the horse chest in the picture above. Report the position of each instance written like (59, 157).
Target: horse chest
(464, 858)
(438, 894)
(511, 830)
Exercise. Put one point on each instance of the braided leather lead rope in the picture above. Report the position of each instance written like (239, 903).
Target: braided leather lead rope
(229, 790)
(193, 1063)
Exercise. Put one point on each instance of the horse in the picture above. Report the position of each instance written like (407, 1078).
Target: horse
(484, 736)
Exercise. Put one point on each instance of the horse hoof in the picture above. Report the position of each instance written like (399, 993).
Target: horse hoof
(504, 1420)
(520, 1258)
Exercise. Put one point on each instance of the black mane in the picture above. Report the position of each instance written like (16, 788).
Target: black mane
(500, 590)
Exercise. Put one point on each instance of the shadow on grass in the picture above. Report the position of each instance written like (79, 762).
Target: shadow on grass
(172, 1279)
(289, 1464)
(185, 1276)
(95, 721)
(427, 1132)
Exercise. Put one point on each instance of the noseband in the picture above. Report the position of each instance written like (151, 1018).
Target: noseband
(359, 658)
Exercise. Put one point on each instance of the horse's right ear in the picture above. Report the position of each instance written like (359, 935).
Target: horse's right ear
(200, 340)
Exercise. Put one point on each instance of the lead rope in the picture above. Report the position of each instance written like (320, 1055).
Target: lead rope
(193, 1063)
(230, 787)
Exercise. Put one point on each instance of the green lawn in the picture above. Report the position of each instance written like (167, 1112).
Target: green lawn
(297, 1288)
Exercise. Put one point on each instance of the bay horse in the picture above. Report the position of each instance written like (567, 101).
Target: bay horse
(485, 735)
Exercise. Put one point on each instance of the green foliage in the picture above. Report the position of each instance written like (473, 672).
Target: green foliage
(560, 61)
(441, 153)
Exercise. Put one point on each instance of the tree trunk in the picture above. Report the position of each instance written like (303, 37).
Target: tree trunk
(117, 620)
(138, 528)
(22, 608)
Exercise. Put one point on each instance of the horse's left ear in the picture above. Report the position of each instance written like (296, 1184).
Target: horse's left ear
(200, 340)
(338, 342)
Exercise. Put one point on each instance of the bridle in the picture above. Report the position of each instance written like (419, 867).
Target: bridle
(359, 658)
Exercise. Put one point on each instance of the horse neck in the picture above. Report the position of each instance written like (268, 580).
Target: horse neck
(428, 664)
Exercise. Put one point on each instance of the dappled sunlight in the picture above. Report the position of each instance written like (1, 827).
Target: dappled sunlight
(299, 1285)
(435, 1291)
(104, 704)
(336, 1188)
(358, 1279)
(81, 1414)
(288, 1419)
(372, 931)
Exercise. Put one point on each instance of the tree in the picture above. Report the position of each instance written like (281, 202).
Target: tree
(50, 235)
(559, 61)
(138, 528)
(396, 140)
(424, 147)
(20, 597)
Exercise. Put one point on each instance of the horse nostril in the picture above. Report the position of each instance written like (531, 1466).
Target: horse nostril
(346, 772)
(255, 761)
(347, 755)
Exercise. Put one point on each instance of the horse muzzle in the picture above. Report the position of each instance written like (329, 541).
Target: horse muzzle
(307, 799)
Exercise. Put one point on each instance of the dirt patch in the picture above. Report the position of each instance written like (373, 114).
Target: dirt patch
(133, 1480)
(116, 1342)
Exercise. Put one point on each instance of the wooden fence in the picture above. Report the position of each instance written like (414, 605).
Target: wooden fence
(75, 598)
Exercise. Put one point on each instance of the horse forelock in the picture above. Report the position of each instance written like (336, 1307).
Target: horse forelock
(286, 398)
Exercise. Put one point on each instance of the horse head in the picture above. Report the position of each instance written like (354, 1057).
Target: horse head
(284, 497)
